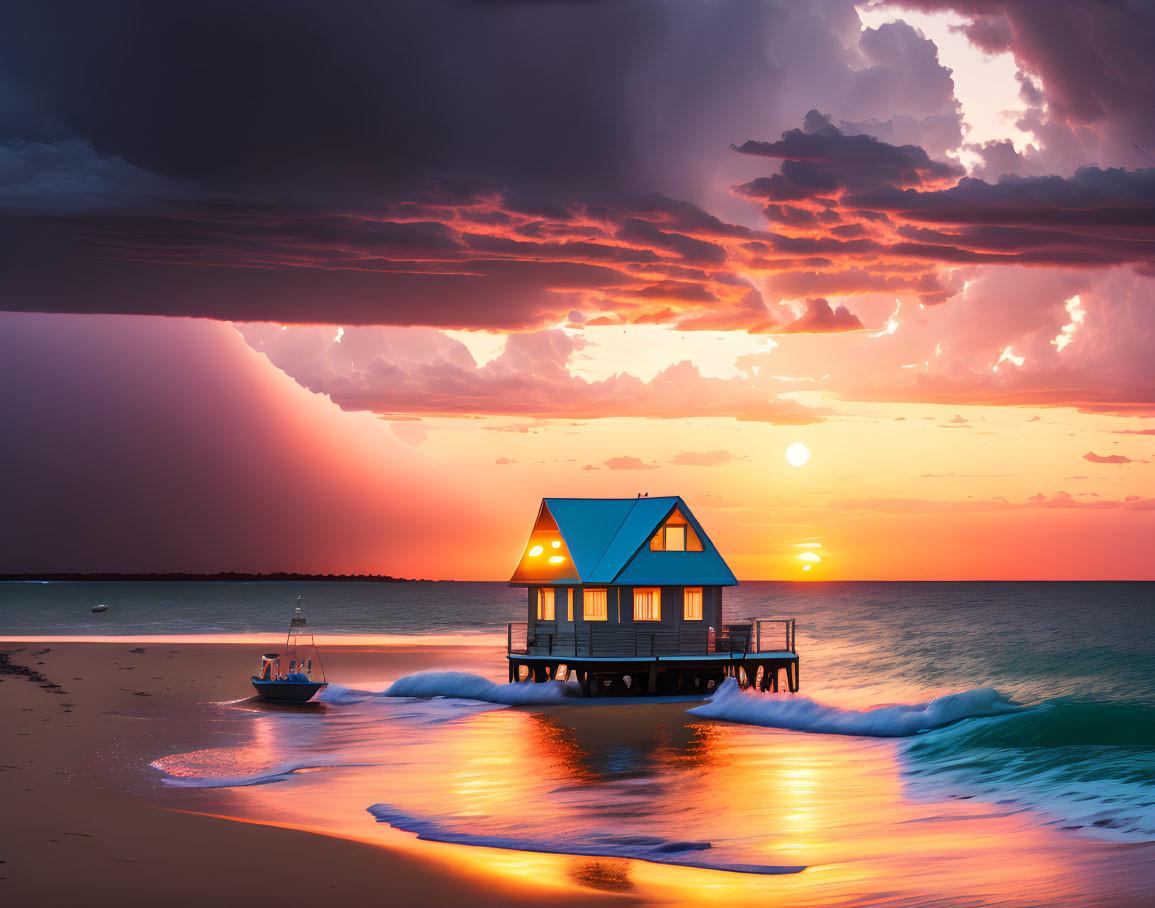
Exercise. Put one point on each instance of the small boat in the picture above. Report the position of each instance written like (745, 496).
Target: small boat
(296, 683)
(103, 607)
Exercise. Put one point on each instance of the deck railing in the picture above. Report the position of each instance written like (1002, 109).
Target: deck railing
(517, 638)
(774, 635)
(563, 639)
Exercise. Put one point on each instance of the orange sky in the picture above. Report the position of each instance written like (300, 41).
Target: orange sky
(891, 490)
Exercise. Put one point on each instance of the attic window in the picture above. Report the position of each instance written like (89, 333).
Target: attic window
(675, 535)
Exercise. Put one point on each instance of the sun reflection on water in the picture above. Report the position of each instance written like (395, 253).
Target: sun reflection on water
(726, 794)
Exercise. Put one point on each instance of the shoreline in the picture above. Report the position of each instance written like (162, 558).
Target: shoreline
(75, 772)
(263, 639)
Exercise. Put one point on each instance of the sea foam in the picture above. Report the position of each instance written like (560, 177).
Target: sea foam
(468, 686)
(733, 704)
(276, 773)
(654, 849)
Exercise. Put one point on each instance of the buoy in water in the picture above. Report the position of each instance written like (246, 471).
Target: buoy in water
(100, 608)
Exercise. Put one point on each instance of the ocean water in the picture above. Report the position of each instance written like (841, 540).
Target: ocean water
(991, 740)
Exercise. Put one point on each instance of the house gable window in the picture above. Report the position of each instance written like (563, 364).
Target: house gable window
(692, 604)
(675, 535)
(594, 605)
(647, 604)
(545, 604)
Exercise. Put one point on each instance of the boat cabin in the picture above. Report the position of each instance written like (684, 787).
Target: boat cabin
(624, 579)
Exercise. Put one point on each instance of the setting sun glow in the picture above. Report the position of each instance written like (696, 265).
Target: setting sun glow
(797, 454)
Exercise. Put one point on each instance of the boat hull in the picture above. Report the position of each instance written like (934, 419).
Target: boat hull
(288, 691)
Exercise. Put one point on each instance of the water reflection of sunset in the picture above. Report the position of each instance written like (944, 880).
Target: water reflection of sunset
(549, 775)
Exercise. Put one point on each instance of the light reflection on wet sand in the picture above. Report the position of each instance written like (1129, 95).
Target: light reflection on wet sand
(835, 804)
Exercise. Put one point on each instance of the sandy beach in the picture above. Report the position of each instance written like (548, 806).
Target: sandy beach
(75, 831)
(88, 820)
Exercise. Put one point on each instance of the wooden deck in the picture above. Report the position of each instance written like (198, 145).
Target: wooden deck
(632, 659)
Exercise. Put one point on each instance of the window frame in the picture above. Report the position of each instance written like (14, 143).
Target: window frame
(691, 541)
(552, 603)
(605, 615)
(686, 591)
(656, 604)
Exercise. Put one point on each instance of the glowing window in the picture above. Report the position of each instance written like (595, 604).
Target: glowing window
(648, 604)
(675, 535)
(692, 604)
(555, 544)
(556, 559)
(536, 550)
(594, 605)
(545, 604)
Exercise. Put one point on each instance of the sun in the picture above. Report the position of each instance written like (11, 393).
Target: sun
(797, 454)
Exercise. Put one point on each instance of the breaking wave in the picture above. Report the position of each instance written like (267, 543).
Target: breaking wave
(458, 686)
(473, 687)
(803, 714)
(654, 849)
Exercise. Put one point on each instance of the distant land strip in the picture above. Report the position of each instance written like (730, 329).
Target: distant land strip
(228, 576)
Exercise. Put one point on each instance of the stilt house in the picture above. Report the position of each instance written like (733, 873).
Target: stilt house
(626, 587)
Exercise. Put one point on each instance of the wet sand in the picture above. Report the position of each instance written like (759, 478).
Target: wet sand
(87, 821)
(80, 828)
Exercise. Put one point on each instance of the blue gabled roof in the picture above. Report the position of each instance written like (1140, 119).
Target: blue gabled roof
(608, 541)
(635, 531)
(588, 526)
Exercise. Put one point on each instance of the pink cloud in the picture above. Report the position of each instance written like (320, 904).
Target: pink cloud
(422, 371)
(1102, 365)
(1107, 458)
(703, 458)
(629, 463)
(1060, 500)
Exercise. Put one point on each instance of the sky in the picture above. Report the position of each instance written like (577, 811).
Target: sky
(348, 288)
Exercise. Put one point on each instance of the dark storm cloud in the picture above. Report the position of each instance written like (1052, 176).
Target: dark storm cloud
(356, 99)
(1092, 197)
(456, 256)
(1096, 217)
(474, 164)
(827, 163)
(354, 107)
(69, 176)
